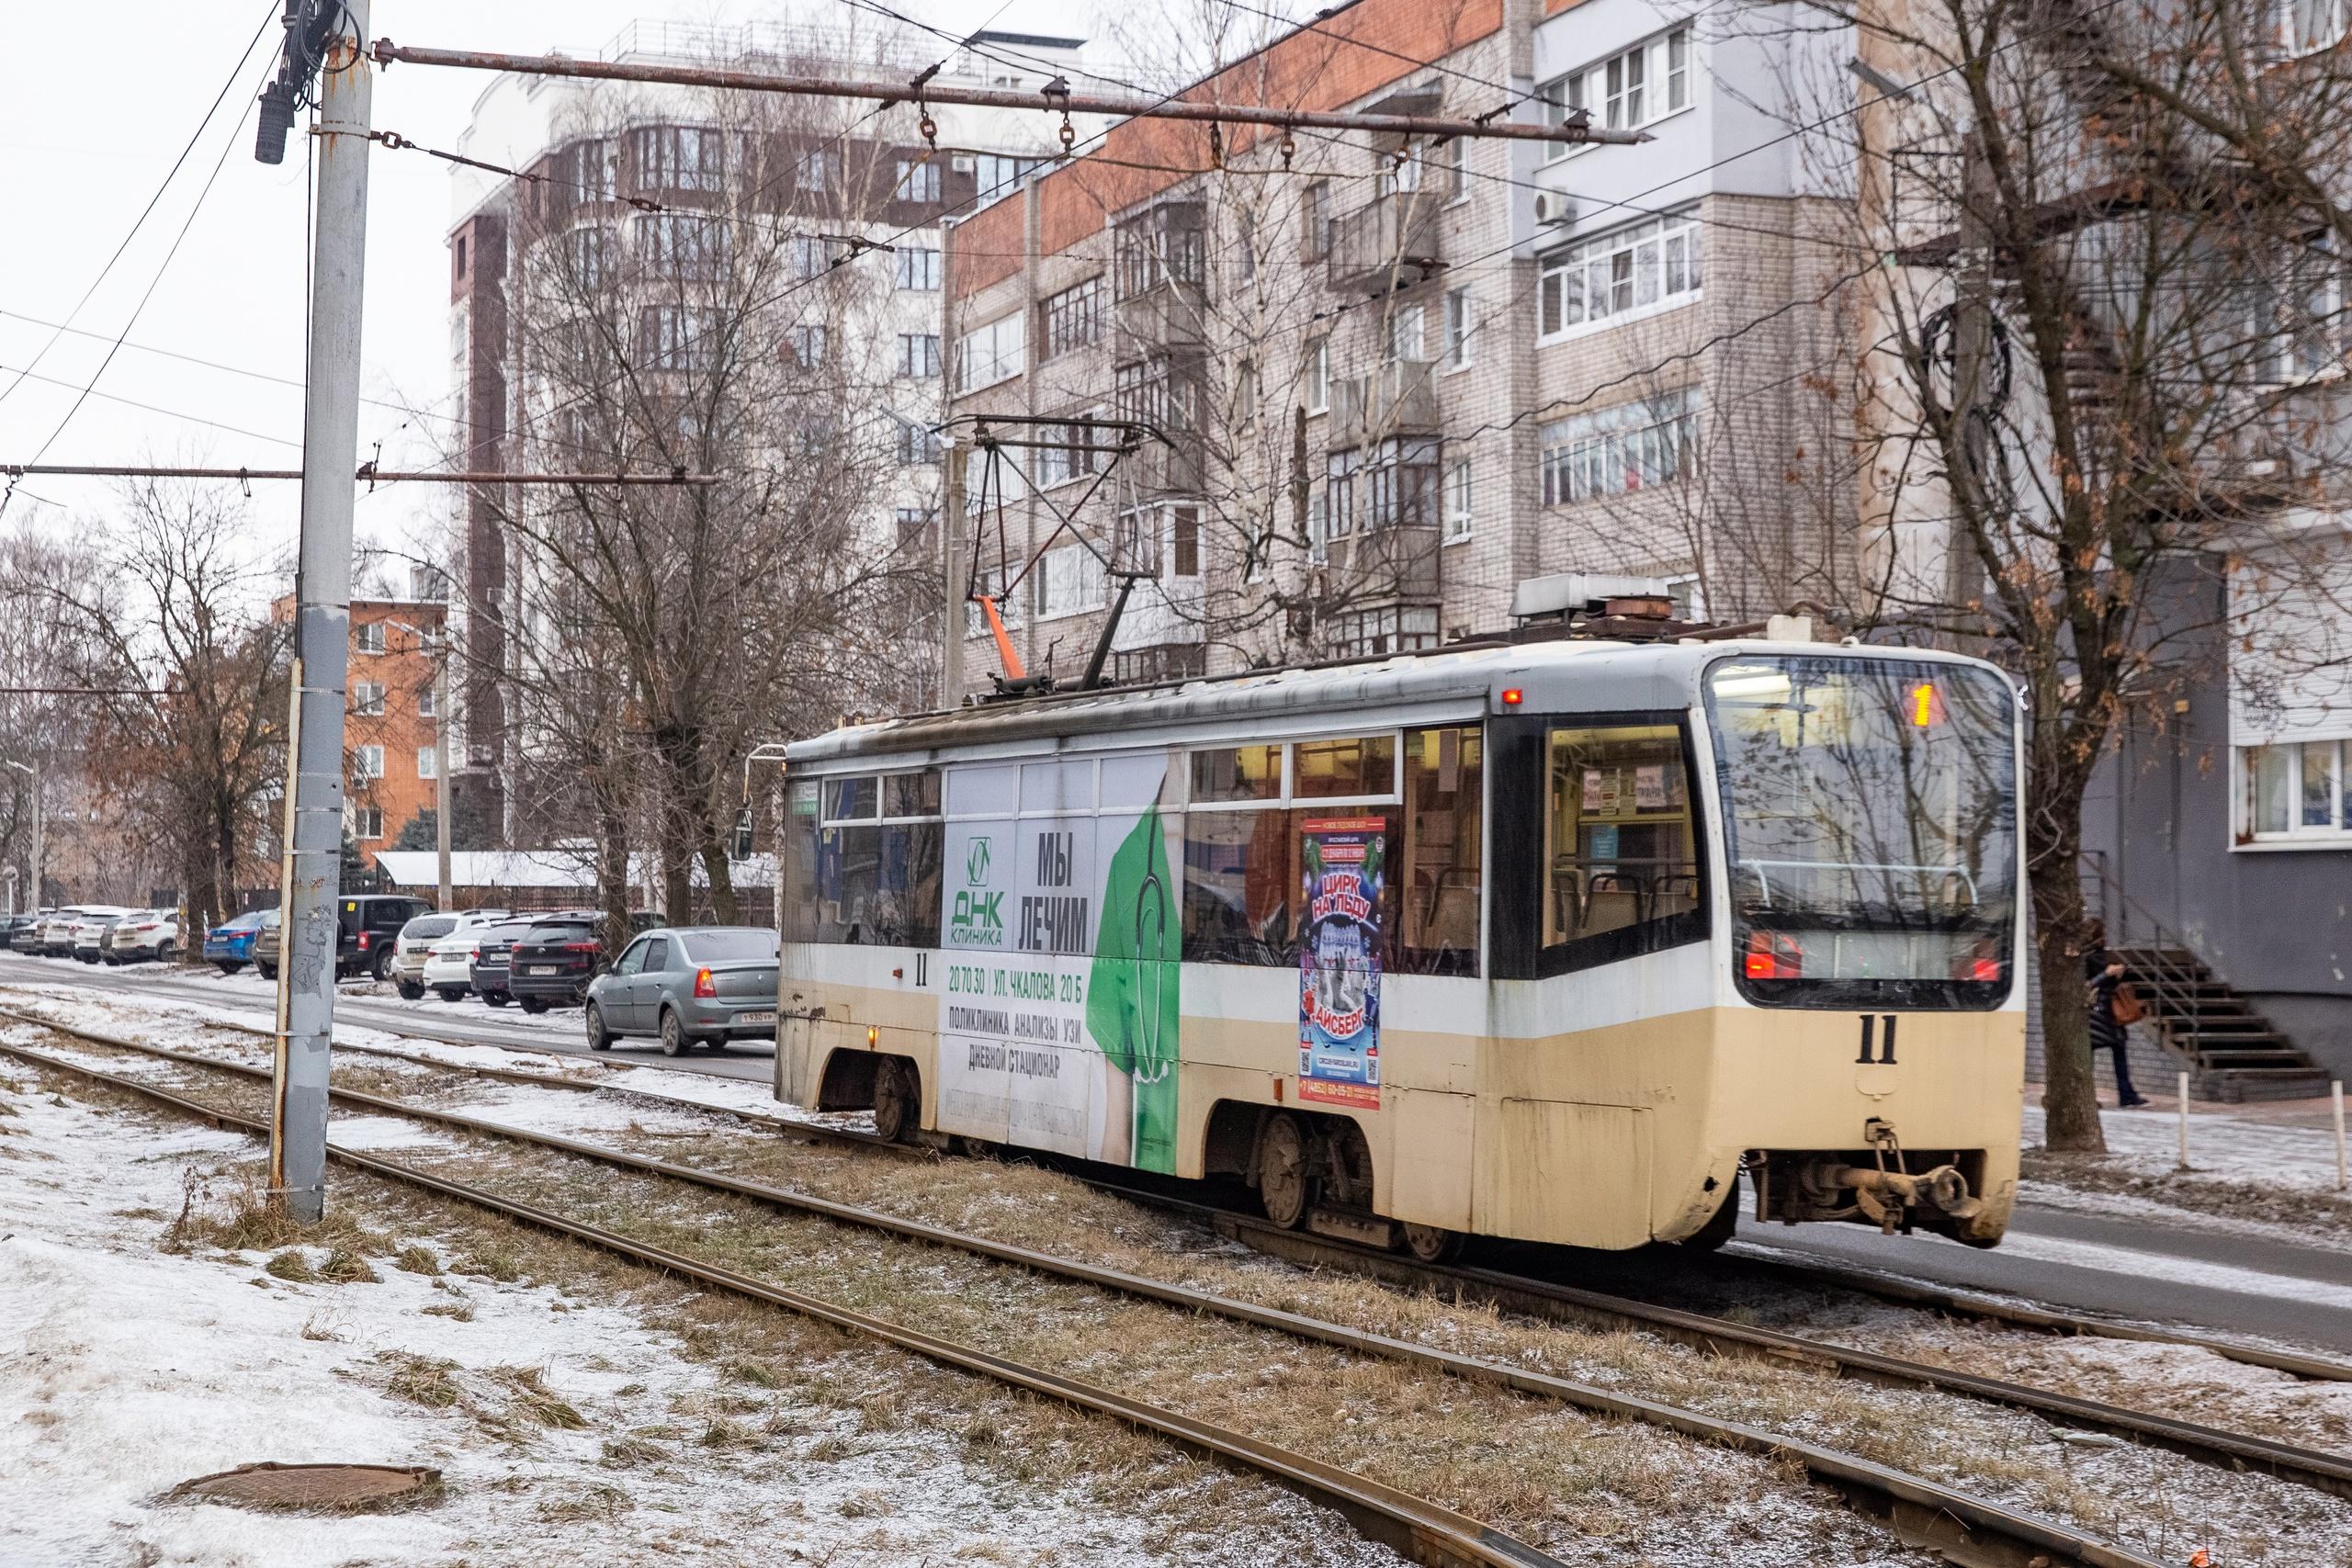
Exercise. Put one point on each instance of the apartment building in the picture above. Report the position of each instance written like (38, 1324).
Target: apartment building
(829, 214)
(1339, 395)
(392, 713)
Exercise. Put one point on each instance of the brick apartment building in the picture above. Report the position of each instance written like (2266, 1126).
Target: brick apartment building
(1399, 379)
(390, 776)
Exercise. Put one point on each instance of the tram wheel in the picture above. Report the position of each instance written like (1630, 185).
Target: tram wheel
(897, 1099)
(1286, 1183)
(1431, 1243)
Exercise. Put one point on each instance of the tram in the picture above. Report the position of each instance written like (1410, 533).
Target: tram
(1553, 941)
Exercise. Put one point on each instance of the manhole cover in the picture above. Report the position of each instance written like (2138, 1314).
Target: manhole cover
(324, 1486)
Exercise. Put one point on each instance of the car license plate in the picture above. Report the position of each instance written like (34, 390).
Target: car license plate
(764, 1015)
(539, 968)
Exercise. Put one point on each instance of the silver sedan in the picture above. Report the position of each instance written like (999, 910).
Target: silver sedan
(688, 986)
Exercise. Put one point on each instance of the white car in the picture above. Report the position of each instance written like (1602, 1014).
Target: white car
(90, 930)
(450, 962)
(55, 936)
(146, 933)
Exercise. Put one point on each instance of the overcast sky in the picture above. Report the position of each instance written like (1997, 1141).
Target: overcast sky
(95, 102)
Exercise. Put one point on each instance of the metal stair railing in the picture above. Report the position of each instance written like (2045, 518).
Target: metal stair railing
(2170, 987)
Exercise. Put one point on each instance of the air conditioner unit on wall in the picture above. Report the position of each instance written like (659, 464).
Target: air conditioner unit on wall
(1554, 207)
(960, 162)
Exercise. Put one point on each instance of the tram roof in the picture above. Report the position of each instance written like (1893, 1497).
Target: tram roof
(1563, 675)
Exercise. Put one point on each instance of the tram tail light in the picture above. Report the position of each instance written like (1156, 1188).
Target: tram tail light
(1774, 955)
(1980, 962)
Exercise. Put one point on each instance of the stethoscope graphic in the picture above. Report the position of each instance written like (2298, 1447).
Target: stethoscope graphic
(1151, 911)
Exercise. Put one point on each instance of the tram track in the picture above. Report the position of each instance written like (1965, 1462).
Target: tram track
(1965, 1527)
(1507, 1292)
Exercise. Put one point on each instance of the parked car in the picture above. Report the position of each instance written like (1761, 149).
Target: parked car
(54, 936)
(688, 986)
(449, 960)
(367, 926)
(228, 946)
(551, 964)
(20, 928)
(90, 930)
(141, 935)
(493, 947)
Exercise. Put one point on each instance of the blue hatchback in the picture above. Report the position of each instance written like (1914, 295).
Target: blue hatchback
(230, 946)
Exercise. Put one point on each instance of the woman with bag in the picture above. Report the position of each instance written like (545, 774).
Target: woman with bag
(2113, 1006)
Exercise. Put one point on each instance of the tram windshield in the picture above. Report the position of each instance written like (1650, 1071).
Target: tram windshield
(1870, 828)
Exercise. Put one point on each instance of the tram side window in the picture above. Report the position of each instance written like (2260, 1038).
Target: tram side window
(1240, 883)
(1439, 862)
(1620, 844)
(863, 883)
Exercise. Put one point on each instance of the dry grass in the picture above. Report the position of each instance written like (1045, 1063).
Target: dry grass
(415, 1259)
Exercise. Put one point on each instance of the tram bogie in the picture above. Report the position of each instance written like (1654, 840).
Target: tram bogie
(1553, 941)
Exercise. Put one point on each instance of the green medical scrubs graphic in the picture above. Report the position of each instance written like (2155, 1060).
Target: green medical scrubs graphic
(1131, 1003)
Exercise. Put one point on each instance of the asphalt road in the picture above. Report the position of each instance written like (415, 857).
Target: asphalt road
(2147, 1269)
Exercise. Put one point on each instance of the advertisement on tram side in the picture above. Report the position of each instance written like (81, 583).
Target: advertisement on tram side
(1063, 946)
(1342, 859)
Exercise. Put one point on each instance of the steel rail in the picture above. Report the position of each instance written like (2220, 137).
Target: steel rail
(1966, 1528)
(1425, 1531)
(921, 91)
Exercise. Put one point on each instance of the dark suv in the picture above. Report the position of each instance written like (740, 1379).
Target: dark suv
(367, 924)
(550, 964)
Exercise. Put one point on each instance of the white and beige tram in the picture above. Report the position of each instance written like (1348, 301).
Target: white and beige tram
(1549, 941)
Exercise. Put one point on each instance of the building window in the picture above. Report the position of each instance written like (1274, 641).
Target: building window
(919, 355)
(2298, 324)
(1400, 171)
(1617, 451)
(814, 173)
(1164, 245)
(367, 637)
(368, 699)
(678, 337)
(1340, 472)
(1458, 499)
(1166, 661)
(917, 443)
(592, 259)
(1319, 376)
(1315, 221)
(2296, 791)
(426, 706)
(1401, 482)
(1652, 265)
(1407, 334)
(367, 763)
(998, 173)
(596, 170)
(428, 764)
(680, 246)
(679, 157)
(1368, 634)
(1638, 87)
(918, 267)
(2308, 25)
(1069, 452)
(1071, 319)
(994, 352)
(912, 522)
(1162, 392)
(1457, 328)
(918, 180)
(807, 344)
(810, 255)
(1069, 583)
(366, 821)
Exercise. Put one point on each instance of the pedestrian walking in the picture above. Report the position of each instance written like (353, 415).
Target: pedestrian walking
(2113, 1007)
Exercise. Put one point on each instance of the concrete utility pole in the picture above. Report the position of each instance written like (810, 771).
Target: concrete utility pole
(309, 882)
(33, 771)
(441, 761)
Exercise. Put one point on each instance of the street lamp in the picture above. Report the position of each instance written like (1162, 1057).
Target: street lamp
(32, 770)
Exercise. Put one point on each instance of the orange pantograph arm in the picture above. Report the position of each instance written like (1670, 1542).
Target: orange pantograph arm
(1013, 669)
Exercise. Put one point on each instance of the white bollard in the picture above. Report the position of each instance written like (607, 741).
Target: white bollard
(2184, 1121)
(2336, 1093)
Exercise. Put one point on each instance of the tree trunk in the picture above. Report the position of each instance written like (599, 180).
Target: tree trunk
(2070, 1095)
(721, 875)
(612, 871)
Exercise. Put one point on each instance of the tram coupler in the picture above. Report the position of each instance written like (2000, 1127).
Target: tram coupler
(1882, 1195)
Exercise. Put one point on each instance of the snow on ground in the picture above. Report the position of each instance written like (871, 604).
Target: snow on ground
(127, 1370)
(2223, 1143)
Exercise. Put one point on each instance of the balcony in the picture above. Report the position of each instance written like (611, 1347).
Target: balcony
(1399, 397)
(1168, 314)
(1397, 562)
(1399, 230)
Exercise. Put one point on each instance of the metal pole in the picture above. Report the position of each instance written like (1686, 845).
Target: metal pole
(1575, 133)
(306, 973)
(441, 760)
(951, 583)
(40, 822)
(2336, 1093)
(2183, 1079)
(372, 476)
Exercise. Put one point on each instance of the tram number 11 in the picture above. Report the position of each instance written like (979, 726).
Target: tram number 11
(1886, 1052)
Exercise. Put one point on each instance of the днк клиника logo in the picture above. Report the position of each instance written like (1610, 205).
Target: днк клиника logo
(978, 918)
